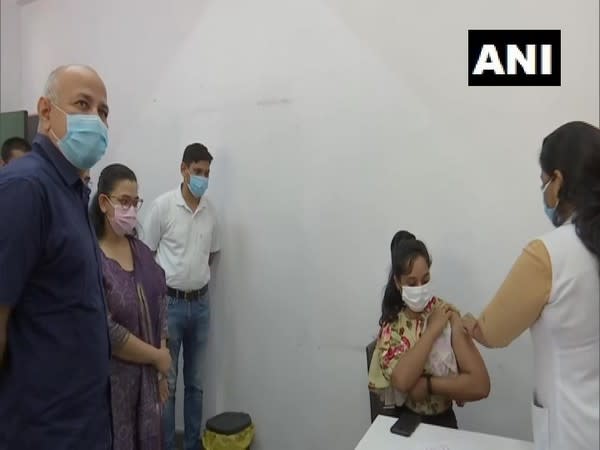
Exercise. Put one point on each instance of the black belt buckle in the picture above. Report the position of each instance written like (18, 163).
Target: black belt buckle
(191, 295)
(188, 295)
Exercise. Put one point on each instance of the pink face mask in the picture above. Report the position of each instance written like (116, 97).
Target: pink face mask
(124, 220)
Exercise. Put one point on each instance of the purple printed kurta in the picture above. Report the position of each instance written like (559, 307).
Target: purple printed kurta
(137, 305)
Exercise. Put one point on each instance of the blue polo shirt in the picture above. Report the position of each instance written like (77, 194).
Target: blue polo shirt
(54, 384)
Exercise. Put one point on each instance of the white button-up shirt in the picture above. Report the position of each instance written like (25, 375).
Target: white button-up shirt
(183, 239)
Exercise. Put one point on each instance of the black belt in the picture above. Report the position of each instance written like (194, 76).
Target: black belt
(187, 295)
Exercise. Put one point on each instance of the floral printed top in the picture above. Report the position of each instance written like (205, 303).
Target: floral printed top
(394, 339)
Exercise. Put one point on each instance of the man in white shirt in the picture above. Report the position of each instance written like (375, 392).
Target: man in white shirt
(182, 228)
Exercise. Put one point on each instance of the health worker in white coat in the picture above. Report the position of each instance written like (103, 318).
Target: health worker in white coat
(554, 290)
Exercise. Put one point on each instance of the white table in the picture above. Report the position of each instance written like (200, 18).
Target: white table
(428, 437)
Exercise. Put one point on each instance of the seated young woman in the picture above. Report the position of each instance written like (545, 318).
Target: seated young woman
(424, 359)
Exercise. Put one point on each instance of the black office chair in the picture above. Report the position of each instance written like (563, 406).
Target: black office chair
(377, 406)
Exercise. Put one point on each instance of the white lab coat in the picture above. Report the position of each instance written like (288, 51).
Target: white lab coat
(565, 409)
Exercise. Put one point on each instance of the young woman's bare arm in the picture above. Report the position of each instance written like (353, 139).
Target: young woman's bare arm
(473, 381)
(410, 365)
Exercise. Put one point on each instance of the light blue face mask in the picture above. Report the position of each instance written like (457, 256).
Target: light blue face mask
(85, 141)
(550, 212)
(198, 185)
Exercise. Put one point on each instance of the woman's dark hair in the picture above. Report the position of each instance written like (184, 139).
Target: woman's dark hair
(109, 177)
(574, 150)
(405, 249)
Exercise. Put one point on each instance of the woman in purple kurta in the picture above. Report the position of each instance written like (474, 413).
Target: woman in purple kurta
(135, 292)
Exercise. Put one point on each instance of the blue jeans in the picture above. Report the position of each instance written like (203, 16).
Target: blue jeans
(188, 325)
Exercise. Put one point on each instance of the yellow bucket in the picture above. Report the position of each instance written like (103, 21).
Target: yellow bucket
(228, 431)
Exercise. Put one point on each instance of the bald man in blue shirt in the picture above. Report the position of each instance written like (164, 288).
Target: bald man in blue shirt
(54, 345)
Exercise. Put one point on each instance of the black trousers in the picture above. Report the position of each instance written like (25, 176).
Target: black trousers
(447, 419)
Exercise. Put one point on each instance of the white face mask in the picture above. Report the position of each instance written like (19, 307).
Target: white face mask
(416, 297)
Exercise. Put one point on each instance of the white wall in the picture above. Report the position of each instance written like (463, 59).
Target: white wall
(10, 56)
(334, 123)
